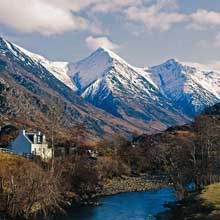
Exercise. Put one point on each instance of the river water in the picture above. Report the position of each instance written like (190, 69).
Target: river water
(125, 206)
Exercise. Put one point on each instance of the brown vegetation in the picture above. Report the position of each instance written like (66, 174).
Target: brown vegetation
(190, 154)
(185, 154)
(25, 189)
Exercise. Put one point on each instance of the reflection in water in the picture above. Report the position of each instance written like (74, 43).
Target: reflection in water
(125, 206)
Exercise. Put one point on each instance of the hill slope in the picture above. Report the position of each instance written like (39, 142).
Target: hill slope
(29, 93)
(122, 97)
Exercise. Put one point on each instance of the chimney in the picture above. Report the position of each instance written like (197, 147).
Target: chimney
(44, 138)
(35, 139)
(22, 132)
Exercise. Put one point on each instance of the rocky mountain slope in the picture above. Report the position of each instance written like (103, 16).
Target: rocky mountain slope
(182, 88)
(189, 88)
(109, 82)
(30, 94)
(131, 98)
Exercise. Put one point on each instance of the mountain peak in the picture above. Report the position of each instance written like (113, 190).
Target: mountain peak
(172, 61)
(189, 65)
(169, 64)
(102, 51)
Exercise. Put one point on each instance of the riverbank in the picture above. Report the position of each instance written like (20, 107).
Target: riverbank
(198, 206)
(127, 184)
(120, 185)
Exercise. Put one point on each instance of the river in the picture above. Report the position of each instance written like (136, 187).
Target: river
(125, 206)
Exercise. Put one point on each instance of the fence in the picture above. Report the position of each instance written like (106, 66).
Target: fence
(6, 150)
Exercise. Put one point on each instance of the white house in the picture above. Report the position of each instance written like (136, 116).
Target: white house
(29, 144)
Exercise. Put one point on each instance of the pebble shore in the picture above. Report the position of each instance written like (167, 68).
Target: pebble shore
(126, 184)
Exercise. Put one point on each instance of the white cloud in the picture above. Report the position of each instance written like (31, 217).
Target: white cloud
(159, 16)
(57, 16)
(106, 6)
(203, 19)
(49, 17)
(73, 5)
(41, 16)
(103, 6)
(95, 42)
(217, 40)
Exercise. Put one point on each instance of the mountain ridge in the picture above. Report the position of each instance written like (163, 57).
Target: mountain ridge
(149, 99)
(33, 91)
(185, 85)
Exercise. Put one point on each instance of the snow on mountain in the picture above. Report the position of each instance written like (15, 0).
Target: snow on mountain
(105, 69)
(109, 82)
(205, 67)
(97, 65)
(155, 97)
(57, 68)
(91, 68)
(189, 87)
(103, 76)
(29, 84)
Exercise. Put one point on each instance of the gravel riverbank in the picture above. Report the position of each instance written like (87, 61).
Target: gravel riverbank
(119, 185)
(126, 184)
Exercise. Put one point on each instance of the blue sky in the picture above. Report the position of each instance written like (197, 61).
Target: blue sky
(144, 32)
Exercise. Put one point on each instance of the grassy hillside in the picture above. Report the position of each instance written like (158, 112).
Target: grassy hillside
(198, 206)
(11, 161)
(210, 199)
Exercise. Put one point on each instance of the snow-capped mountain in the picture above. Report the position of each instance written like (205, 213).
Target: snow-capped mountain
(58, 68)
(29, 92)
(109, 82)
(146, 98)
(97, 65)
(189, 87)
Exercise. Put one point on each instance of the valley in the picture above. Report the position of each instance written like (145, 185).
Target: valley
(110, 124)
